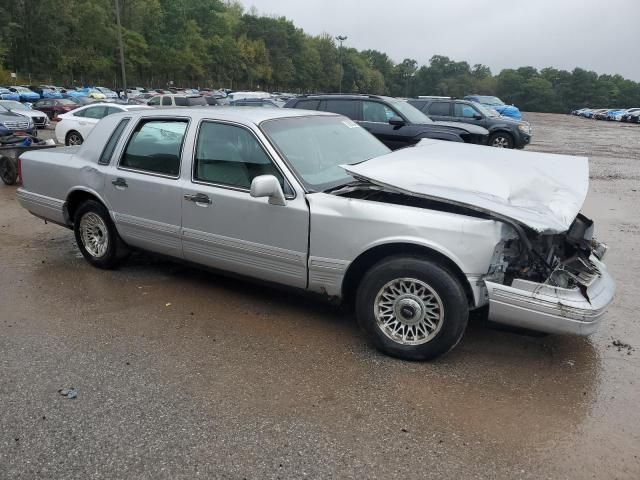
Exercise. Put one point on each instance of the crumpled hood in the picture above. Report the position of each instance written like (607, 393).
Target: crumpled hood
(469, 127)
(542, 191)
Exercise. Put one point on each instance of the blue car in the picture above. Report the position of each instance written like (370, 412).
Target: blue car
(6, 94)
(45, 91)
(25, 94)
(496, 104)
(72, 92)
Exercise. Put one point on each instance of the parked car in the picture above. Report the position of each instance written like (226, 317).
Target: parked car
(93, 93)
(45, 92)
(594, 112)
(615, 114)
(55, 107)
(628, 113)
(11, 123)
(256, 102)
(6, 94)
(579, 112)
(39, 119)
(504, 132)
(602, 113)
(74, 127)
(417, 238)
(82, 100)
(72, 92)
(633, 117)
(25, 94)
(108, 93)
(396, 123)
(497, 104)
(174, 100)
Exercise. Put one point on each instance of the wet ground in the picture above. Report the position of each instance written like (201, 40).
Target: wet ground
(183, 373)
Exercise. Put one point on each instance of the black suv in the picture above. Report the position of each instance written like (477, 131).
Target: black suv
(394, 122)
(504, 132)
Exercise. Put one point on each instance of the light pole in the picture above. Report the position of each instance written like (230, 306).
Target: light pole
(124, 74)
(341, 38)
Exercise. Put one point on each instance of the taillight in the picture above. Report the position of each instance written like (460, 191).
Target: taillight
(19, 168)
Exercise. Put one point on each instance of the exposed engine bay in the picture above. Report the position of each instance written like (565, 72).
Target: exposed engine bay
(560, 260)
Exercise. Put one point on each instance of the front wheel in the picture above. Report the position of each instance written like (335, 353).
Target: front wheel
(501, 140)
(97, 237)
(411, 308)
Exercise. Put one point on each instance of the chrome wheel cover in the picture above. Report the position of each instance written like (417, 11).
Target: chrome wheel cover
(500, 142)
(94, 234)
(408, 311)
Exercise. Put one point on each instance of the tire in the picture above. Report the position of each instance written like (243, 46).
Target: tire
(390, 308)
(93, 223)
(73, 138)
(8, 172)
(501, 140)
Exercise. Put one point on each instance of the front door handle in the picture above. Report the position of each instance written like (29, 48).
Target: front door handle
(119, 183)
(198, 199)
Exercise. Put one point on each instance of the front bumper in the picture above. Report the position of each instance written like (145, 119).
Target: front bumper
(545, 308)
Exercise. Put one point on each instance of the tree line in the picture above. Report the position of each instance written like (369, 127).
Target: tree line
(216, 43)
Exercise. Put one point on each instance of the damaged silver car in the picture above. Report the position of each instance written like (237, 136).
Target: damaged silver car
(414, 239)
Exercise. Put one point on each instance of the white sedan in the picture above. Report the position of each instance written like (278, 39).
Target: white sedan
(73, 127)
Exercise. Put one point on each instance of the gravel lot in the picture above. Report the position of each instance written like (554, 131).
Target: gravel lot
(182, 373)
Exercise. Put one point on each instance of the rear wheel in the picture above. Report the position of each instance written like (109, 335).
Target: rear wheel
(8, 172)
(97, 237)
(411, 308)
(501, 140)
(73, 138)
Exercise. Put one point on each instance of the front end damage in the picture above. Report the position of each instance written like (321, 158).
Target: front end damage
(554, 283)
(547, 274)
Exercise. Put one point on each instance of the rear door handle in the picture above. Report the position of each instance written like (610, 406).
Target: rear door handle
(198, 198)
(119, 183)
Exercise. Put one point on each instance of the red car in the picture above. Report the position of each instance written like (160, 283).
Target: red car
(55, 106)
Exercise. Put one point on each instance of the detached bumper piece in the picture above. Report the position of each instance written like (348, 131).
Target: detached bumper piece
(551, 309)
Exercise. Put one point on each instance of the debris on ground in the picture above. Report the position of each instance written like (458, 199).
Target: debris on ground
(620, 345)
(70, 393)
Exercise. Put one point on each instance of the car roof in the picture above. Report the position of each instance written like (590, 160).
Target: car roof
(348, 96)
(252, 115)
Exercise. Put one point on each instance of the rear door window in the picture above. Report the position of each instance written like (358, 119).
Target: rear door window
(441, 109)
(155, 147)
(166, 101)
(308, 104)
(348, 108)
(105, 158)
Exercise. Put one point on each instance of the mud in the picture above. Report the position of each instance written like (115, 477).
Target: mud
(181, 372)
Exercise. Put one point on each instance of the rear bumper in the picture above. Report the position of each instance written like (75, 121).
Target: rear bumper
(550, 309)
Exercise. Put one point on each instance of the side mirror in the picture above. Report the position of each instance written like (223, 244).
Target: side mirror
(396, 121)
(477, 116)
(268, 186)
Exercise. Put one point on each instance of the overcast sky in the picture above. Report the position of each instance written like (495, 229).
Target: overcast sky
(600, 35)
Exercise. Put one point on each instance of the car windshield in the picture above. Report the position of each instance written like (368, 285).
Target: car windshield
(410, 112)
(66, 101)
(488, 100)
(11, 105)
(487, 112)
(316, 146)
(22, 89)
